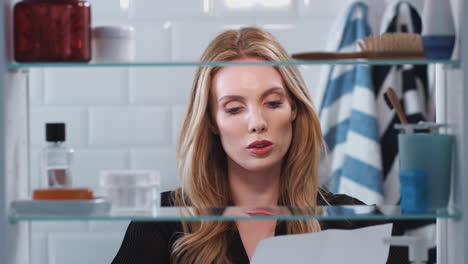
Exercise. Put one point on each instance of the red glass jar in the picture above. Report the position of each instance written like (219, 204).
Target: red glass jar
(52, 30)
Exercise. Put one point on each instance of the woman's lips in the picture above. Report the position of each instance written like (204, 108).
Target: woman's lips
(260, 211)
(261, 151)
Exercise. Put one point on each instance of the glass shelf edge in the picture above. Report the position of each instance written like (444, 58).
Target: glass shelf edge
(454, 214)
(16, 66)
(26, 219)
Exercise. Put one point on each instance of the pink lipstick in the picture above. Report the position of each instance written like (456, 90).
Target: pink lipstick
(260, 147)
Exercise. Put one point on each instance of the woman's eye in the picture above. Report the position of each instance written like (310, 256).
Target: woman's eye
(233, 110)
(274, 104)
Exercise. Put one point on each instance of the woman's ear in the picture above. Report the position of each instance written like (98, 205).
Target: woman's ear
(293, 111)
(213, 127)
(211, 123)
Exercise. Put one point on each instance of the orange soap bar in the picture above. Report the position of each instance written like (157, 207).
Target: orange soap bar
(63, 194)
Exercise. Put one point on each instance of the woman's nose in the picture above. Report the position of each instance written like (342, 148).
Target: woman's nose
(257, 123)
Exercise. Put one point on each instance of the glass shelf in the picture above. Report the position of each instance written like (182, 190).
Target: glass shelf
(242, 213)
(16, 66)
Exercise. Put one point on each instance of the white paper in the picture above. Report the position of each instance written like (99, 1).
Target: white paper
(363, 246)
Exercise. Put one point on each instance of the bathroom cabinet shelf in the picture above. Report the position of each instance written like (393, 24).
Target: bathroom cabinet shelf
(331, 213)
(16, 66)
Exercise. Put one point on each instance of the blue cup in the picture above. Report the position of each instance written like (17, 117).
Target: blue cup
(413, 191)
(432, 154)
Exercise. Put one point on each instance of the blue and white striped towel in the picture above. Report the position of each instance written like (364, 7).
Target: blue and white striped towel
(348, 119)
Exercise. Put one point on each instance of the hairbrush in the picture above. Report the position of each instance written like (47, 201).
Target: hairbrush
(385, 46)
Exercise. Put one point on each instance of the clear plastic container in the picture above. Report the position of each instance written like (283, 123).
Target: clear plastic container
(131, 191)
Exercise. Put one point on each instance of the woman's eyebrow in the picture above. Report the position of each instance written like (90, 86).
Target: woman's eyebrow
(231, 97)
(272, 90)
(241, 98)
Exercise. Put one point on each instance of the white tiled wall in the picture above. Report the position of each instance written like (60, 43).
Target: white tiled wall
(129, 118)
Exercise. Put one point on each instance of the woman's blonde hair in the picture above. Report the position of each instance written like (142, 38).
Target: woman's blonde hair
(202, 162)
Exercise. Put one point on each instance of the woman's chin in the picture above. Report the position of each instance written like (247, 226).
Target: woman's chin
(260, 166)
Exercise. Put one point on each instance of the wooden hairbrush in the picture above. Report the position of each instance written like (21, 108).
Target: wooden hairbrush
(385, 46)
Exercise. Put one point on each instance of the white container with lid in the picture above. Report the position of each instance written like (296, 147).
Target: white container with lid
(131, 191)
(113, 43)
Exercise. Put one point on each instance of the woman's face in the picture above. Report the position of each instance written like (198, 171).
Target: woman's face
(252, 115)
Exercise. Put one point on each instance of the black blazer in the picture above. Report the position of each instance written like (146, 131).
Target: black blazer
(151, 242)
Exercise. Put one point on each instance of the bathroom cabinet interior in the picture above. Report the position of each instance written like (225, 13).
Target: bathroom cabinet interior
(14, 133)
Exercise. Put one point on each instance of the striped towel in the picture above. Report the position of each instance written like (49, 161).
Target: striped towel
(348, 119)
(410, 83)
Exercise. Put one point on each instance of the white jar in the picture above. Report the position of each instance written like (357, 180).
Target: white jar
(131, 191)
(113, 44)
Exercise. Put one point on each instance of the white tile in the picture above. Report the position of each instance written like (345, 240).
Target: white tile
(67, 86)
(79, 248)
(161, 85)
(173, 9)
(110, 126)
(255, 8)
(299, 35)
(109, 226)
(89, 162)
(129, 126)
(161, 159)
(152, 126)
(110, 8)
(75, 119)
(36, 87)
(39, 248)
(152, 41)
(190, 39)
(311, 75)
(178, 113)
(59, 226)
(317, 8)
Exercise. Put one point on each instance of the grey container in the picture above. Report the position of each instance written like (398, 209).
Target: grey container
(431, 153)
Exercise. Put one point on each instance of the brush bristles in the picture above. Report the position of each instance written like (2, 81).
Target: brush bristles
(394, 44)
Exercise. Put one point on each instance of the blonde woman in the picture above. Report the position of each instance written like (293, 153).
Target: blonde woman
(250, 137)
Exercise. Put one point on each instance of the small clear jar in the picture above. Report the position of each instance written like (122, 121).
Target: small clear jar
(131, 191)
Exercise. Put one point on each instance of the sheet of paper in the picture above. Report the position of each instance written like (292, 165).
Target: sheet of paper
(363, 246)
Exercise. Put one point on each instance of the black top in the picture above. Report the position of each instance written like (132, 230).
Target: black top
(151, 242)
